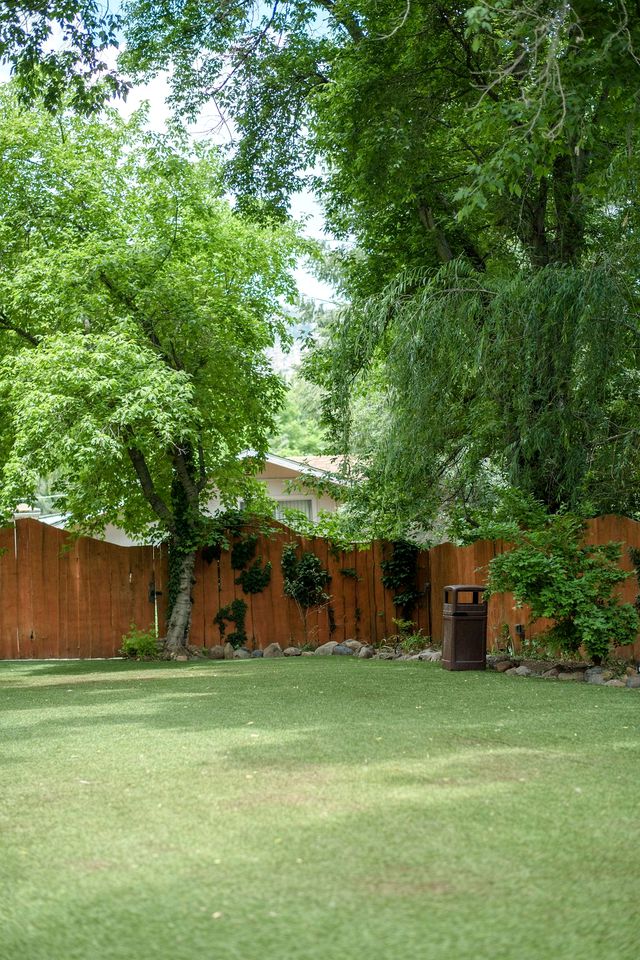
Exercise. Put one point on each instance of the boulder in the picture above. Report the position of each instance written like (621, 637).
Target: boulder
(384, 655)
(595, 675)
(633, 682)
(576, 675)
(229, 652)
(242, 654)
(342, 650)
(365, 652)
(292, 652)
(523, 671)
(181, 657)
(615, 683)
(503, 665)
(551, 674)
(273, 650)
(307, 653)
(217, 652)
(326, 649)
(511, 672)
(256, 653)
(354, 645)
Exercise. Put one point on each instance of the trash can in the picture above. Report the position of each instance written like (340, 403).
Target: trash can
(464, 644)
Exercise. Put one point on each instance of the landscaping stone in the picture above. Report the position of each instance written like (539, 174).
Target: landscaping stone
(182, 658)
(576, 675)
(292, 652)
(273, 650)
(242, 654)
(365, 652)
(432, 655)
(342, 650)
(615, 683)
(503, 665)
(523, 671)
(598, 675)
(511, 672)
(229, 652)
(307, 653)
(384, 655)
(217, 652)
(257, 653)
(551, 674)
(326, 649)
(633, 682)
(355, 645)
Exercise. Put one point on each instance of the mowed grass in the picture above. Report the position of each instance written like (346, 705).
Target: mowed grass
(315, 808)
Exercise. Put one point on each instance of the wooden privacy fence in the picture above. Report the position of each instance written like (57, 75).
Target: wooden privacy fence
(61, 597)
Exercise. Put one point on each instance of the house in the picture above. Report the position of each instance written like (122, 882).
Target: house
(284, 478)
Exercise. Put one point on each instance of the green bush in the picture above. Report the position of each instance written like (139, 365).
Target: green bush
(572, 583)
(140, 644)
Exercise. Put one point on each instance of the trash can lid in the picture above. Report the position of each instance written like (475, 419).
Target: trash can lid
(459, 587)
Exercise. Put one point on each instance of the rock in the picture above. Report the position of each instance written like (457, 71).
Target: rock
(217, 652)
(384, 655)
(430, 654)
(326, 649)
(551, 674)
(511, 672)
(354, 645)
(194, 651)
(307, 653)
(576, 675)
(273, 650)
(256, 653)
(242, 654)
(365, 652)
(503, 665)
(631, 671)
(182, 658)
(342, 650)
(595, 675)
(414, 656)
(229, 652)
(292, 652)
(615, 683)
(523, 671)
(633, 682)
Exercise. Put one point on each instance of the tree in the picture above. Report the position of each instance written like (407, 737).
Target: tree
(135, 312)
(56, 50)
(484, 157)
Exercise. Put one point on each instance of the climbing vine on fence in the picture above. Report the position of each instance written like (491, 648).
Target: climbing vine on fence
(400, 573)
(235, 612)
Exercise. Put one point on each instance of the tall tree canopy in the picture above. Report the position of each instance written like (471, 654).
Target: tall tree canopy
(484, 159)
(135, 313)
(56, 50)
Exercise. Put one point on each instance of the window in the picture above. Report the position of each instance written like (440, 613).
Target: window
(304, 506)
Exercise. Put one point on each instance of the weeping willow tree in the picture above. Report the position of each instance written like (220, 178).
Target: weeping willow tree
(487, 382)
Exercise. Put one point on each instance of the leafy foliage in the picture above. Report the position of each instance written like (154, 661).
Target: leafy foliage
(139, 644)
(72, 69)
(560, 577)
(305, 578)
(400, 572)
(484, 158)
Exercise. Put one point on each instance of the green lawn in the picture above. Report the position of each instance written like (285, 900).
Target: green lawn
(315, 808)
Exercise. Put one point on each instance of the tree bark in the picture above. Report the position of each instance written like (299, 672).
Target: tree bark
(179, 625)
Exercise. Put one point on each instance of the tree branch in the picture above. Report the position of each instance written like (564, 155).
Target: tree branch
(149, 491)
(346, 20)
(20, 331)
(442, 245)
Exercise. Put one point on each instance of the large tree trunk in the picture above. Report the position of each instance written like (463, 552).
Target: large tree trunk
(180, 620)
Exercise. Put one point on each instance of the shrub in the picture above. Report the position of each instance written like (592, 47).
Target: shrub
(572, 583)
(139, 644)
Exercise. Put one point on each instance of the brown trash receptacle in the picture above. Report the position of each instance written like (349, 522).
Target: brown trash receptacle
(464, 644)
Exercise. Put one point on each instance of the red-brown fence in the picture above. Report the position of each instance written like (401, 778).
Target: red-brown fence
(61, 597)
